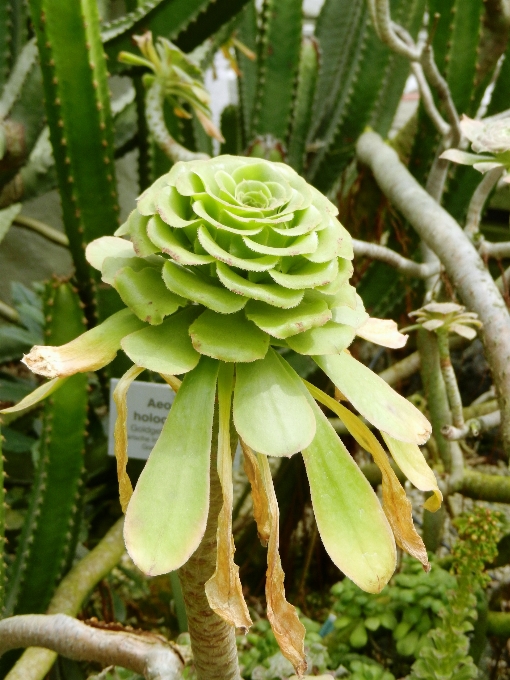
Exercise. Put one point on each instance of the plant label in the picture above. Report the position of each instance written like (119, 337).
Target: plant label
(148, 406)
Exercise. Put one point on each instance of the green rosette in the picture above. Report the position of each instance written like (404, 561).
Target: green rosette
(249, 241)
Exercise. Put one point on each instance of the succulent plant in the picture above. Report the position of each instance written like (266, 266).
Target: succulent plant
(448, 317)
(490, 142)
(178, 78)
(229, 260)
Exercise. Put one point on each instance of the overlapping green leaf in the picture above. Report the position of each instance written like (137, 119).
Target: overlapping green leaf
(167, 514)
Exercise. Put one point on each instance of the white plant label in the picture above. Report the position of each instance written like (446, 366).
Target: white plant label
(148, 406)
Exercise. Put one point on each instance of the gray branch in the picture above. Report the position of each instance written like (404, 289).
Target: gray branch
(376, 252)
(478, 200)
(462, 263)
(473, 427)
(497, 250)
(145, 654)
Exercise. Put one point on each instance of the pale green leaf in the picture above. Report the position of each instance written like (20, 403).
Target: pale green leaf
(300, 245)
(36, 396)
(175, 244)
(7, 217)
(138, 232)
(308, 275)
(272, 293)
(375, 399)
(412, 462)
(146, 295)
(331, 338)
(229, 337)
(256, 264)
(350, 520)
(88, 352)
(165, 348)
(167, 514)
(270, 412)
(107, 246)
(284, 323)
(190, 285)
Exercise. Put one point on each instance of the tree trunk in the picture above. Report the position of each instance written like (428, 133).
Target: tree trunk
(213, 641)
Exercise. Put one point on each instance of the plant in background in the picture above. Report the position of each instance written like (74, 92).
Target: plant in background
(177, 78)
(445, 655)
(401, 615)
(490, 141)
(228, 261)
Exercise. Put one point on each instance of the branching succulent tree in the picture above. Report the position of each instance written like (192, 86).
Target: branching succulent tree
(226, 261)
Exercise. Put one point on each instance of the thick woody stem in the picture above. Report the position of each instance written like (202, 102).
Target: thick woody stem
(450, 379)
(462, 263)
(213, 641)
(473, 427)
(35, 663)
(478, 200)
(144, 654)
(376, 252)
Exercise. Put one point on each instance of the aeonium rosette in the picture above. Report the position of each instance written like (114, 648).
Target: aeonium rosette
(223, 263)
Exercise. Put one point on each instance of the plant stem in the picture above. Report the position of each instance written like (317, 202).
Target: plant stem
(213, 641)
(76, 640)
(450, 380)
(35, 663)
(462, 263)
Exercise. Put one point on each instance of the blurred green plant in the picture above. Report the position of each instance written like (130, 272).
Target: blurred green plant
(445, 655)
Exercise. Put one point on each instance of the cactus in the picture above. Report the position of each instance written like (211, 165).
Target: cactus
(278, 67)
(186, 22)
(79, 118)
(364, 76)
(48, 539)
(302, 116)
(3, 575)
(231, 129)
(456, 35)
(13, 35)
(247, 83)
(21, 121)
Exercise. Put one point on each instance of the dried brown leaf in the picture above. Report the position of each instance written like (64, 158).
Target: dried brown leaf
(223, 589)
(287, 628)
(258, 494)
(396, 505)
(120, 434)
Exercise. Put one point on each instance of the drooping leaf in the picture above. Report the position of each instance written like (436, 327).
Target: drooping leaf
(120, 434)
(165, 348)
(350, 520)
(396, 505)
(382, 332)
(146, 295)
(224, 591)
(283, 617)
(260, 501)
(228, 338)
(375, 399)
(89, 352)
(35, 397)
(270, 412)
(167, 514)
(8, 215)
(411, 461)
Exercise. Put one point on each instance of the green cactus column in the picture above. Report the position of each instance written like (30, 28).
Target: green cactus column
(77, 106)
